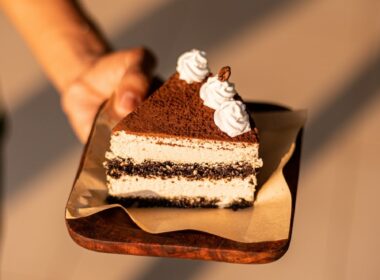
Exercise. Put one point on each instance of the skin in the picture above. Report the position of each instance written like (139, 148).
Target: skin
(79, 62)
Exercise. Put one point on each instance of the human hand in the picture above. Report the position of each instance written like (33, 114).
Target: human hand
(122, 76)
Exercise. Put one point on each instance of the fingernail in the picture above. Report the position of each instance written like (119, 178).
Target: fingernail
(127, 102)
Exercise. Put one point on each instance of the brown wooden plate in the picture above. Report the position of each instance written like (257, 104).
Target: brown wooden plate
(112, 230)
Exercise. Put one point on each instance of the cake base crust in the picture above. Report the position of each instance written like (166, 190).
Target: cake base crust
(118, 167)
(201, 202)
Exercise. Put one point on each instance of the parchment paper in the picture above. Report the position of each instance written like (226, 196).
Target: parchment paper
(267, 220)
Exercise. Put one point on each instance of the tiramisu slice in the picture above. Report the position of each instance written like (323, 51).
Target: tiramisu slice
(190, 144)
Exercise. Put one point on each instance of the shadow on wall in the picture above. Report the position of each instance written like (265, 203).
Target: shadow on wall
(343, 106)
(39, 136)
(181, 25)
(167, 269)
(2, 132)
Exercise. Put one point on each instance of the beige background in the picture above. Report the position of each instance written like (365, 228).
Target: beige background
(323, 55)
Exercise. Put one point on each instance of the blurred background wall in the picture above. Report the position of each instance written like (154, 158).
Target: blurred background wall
(321, 55)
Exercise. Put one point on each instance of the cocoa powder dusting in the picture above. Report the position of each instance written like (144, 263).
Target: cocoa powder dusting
(176, 110)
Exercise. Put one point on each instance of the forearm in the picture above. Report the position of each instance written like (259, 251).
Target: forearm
(61, 37)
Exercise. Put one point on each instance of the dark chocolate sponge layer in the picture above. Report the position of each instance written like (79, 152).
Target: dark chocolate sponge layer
(149, 169)
(176, 110)
(200, 202)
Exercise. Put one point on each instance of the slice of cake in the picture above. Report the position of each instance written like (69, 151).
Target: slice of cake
(190, 144)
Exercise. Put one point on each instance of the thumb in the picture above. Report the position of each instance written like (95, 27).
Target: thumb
(130, 93)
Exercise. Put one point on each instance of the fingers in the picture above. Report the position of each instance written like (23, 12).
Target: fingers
(140, 59)
(80, 103)
(134, 85)
(130, 92)
(123, 76)
(105, 75)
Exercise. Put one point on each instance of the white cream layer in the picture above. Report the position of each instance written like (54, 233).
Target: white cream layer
(178, 150)
(225, 190)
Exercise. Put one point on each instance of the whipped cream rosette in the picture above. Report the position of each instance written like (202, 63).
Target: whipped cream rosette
(230, 115)
(217, 89)
(232, 118)
(192, 66)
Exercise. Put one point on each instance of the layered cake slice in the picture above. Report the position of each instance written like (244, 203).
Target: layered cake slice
(190, 144)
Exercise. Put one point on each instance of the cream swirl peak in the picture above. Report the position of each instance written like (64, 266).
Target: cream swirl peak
(217, 89)
(232, 118)
(192, 66)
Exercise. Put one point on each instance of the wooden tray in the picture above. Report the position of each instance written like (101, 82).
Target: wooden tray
(112, 230)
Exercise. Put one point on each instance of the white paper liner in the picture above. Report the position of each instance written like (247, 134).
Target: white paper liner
(267, 220)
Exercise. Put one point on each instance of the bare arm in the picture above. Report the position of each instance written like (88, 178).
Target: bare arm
(78, 60)
(59, 34)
